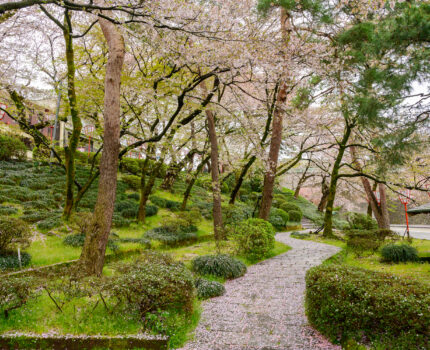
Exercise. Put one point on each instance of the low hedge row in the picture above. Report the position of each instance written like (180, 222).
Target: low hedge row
(345, 302)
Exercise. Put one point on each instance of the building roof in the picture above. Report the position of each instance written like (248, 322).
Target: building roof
(422, 209)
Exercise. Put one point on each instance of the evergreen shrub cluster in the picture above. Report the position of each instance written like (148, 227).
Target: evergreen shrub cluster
(345, 302)
(208, 289)
(220, 265)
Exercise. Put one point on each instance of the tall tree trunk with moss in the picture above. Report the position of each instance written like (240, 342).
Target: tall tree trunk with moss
(328, 217)
(324, 195)
(70, 150)
(240, 179)
(192, 182)
(216, 188)
(380, 210)
(275, 142)
(93, 252)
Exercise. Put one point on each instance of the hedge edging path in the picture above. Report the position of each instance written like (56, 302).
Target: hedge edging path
(265, 308)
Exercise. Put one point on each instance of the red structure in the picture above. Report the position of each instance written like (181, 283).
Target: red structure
(405, 199)
(89, 131)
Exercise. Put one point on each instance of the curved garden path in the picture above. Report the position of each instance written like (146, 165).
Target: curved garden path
(265, 309)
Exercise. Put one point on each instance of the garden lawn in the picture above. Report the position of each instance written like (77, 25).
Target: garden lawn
(417, 270)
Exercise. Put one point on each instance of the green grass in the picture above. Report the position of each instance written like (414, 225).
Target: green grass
(419, 271)
(49, 250)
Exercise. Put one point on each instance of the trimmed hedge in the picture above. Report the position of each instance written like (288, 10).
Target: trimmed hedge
(399, 253)
(208, 289)
(220, 265)
(255, 238)
(345, 302)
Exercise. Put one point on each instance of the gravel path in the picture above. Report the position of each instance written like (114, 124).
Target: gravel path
(265, 309)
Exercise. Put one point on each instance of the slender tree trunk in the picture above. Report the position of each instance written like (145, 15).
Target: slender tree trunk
(93, 252)
(70, 150)
(171, 175)
(240, 179)
(141, 214)
(324, 195)
(328, 217)
(216, 189)
(380, 211)
(192, 182)
(275, 142)
(272, 162)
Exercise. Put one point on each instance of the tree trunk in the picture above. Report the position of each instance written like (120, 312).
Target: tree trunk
(171, 175)
(70, 150)
(272, 162)
(328, 217)
(192, 182)
(93, 252)
(275, 142)
(216, 189)
(380, 211)
(141, 214)
(239, 180)
(324, 191)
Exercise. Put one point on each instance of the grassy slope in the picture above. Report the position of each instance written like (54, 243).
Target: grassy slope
(419, 271)
(40, 315)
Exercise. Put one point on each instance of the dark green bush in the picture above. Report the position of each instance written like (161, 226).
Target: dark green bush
(165, 203)
(151, 210)
(208, 289)
(119, 221)
(287, 207)
(7, 181)
(39, 204)
(255, 238)
(11, 147)
(78, 240)
(10, 260)
(170, 238)
(143, 241)
(152, 282)
(50, 223)
(399, 253)
(35, 216)
(345, 302)
(135, 196)
(358, 221)
(295, 216)
(19, 193)
(6, 210)
(220, 265)
(359, 245)
(132, 181)
(130, 213)
(278, 218)
(235, 213)
(13, 232)
(158, 201)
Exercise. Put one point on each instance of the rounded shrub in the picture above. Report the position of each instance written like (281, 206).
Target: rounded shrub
(208, 289)
(6, 210)
(132, 181)
(397, 253)
(119, 221)
(49, 223)
(295, 216)
(10, 260)
(13, 232)
(152, 282)
(11, 147)
(220, 265)
(255, 238)
(151, 210)
(76, 240)
(135, 196)
(287, 207)
(359, 221)
(344, 302)
(278, 218)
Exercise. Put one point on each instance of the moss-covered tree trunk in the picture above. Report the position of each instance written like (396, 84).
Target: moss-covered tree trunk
(328, 217)
(276, 139)
(239, 180)
(93, 252)
(192, 182)
(216, 188)
(70, 150)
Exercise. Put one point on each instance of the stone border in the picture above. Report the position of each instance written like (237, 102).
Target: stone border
(78, 342)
